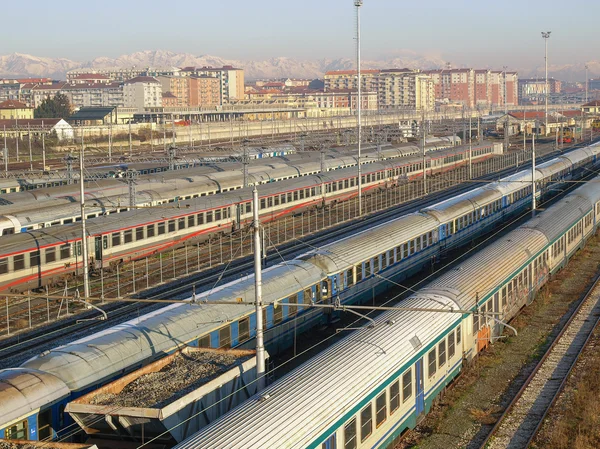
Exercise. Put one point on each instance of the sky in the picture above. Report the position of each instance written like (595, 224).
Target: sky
(467, 33)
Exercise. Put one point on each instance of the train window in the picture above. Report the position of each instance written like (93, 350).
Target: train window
(350, 277)
(458, 336)
(301, 194)
(329, 443)
(161, 228)
(18, 262)
(504, 297)
(128, 236)
(384, 260)
(290, 197)
(200, 219)
(366, 423)
(307, 296)
(451, 347)
(209, 216)
(367, 268)
(292, 309)
(139, 233)
(171, 225)
(50, 255)
(277, 313)
(376, 264)
(406, 385)
(18, 431)
(394, 396)
(475, 323)
(116, 239)
(418, 244)
(243, 329)
(191, 221)
(78, 247)
(204, 342)
(442, 353)
(295, 195)
(150, 230)
(3, 266)
(359, 273)
(45, 425)
(181, 223)
(218, 215)
(34, 259)
(405, 250)
(350, 434)
(276, 198)
(380, 409)
(432, 362)
(225, 337)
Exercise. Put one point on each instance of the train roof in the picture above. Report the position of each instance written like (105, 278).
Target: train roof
(460, 205)
(328, 389)
(349, 251)
(24, 391)
(93, 359)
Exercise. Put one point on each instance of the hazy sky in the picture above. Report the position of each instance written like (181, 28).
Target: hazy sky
(474, 32)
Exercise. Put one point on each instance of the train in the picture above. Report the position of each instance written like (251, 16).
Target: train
(366, 390)
(350, 270)
(29, 210)
(36, 257)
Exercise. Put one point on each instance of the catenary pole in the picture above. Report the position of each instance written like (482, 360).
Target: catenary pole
(260, 345)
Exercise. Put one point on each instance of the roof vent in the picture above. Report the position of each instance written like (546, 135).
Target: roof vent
(416, 343)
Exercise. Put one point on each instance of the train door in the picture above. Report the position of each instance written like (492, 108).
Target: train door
(420, 391)
(98, 248)
(238, 215)
(329, 443)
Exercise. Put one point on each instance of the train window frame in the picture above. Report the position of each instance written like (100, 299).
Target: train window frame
(442, 353)
(376, 267)
(225, 337)
(243, 329)
(394, 396)
(292, 309)
(171, 226)
(451, 345)
(65, 251)
(359, 273)
(128, 236)
(150, 230)
(21, 431)
(407, 389)
(350, 434)
(307, 295)
(432, 362)
(350, 277)
(115, 239)
(181, 223)
(4, 265)
(34, 259)
(219, 214)
(50, 255)
(366, 422)
(161, 228)
(380, 409)
(458, 335)
(139, 233)
(204, 341)
(367, 269)
(277, 313)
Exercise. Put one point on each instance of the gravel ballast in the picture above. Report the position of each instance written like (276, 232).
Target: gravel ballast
(183, 375)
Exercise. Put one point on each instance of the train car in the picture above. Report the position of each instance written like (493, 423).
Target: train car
(389, 373)
(347, 271)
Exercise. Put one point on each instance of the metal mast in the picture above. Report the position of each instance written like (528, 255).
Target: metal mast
(84, 248)
(533, 205)
(260, 345)
(546, 36)
(358, 4)
(586, 83)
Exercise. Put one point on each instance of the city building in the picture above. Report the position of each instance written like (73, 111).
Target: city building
(454, 86)
(594, 84)
(405, 89)
(142, 92)
(534, 90)
(40, 93)
(89, 78)
(346, 79)
(178, 86)
(123, 73)
(94, 95)
(297, 82)
(204, 91)
(231, 79)
(13, 109)
(169, 100)
(593, 107)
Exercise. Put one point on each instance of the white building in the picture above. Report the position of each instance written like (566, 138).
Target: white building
(142, 92)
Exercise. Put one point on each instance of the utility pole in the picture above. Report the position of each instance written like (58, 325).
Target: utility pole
(131, 176)
(245, 161)
(533, 174)
(84, 249)
(358, 4)
(130, 143)
(260, 346)
(470, 150)
(424, 160)
(546, 36)
(43, 147)
(30, 151)
(110, 141)
(5, 152)
(505, 92)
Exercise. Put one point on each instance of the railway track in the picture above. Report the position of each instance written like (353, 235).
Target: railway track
(85, 321)
(522, 419)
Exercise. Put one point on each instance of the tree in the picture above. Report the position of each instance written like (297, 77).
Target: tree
(57, 107)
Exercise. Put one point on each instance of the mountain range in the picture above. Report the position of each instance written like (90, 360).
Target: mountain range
(21, 65)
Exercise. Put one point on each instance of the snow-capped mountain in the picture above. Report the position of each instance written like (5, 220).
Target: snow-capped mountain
(18, 64)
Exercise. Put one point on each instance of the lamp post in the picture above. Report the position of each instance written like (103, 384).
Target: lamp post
(546, 36)
(586, 83)
(505, 93)
(358, 4)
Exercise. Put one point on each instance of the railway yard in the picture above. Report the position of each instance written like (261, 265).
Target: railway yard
(391, 314)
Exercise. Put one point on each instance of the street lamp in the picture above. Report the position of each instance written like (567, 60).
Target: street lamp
(505, 93)
(586, 83)
(546, 36)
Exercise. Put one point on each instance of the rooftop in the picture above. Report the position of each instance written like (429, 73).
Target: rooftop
(91, 113)
(142, 79)
(13, 104)
(351, 72)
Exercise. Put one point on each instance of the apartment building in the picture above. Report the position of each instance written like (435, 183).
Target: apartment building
(94, 94)
(454, 86)
(123, 73)
(231, 79)
(405, 89)
(535, 89)
(346, 79)
(179, 87)
(204, 91)
(142, 92)
(15, 110)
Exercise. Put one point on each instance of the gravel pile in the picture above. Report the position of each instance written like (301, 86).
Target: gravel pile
(183, 375)
(7, 445)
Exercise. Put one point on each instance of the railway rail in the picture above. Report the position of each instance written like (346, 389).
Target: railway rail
(522, 419)
(241, 265)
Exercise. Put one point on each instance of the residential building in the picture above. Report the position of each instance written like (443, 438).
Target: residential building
(123, 73)
(231, 78)
(483, 88)
(169, 100)
(535, 89)
(179, 87)
(42, 92)
(204, 91)
(405, 88)
(15, 110)
(94, 95)
(346, 79)
(89, 78)
(593, 107)
(142, 92)
(454, 86)
(594, 84)
(297, 82)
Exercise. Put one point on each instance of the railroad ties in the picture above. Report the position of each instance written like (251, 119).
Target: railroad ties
(520, 422)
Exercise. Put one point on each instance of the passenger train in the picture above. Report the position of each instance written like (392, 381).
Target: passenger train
(42, 208)
(353, 269)
(367, 389)
(30, 259)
